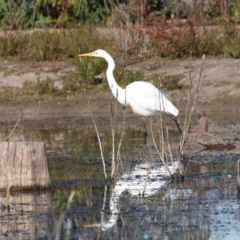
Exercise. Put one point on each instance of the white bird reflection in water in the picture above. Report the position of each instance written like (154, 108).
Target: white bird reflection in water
(144, 180)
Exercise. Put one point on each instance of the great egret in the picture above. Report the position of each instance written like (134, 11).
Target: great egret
(143, 97)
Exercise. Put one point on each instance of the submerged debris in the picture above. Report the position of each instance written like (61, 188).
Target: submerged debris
(208, 140)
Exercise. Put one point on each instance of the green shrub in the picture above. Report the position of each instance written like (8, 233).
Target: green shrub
(232, 49)
(46, 86)
(50, 45)
(211, 43)
(167, 82)
(8, 92)
(125, 76)
(86, 69)
(29, 88)
(71, 84)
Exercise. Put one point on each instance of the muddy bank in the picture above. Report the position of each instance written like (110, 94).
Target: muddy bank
(77, 106)
(220, 89)
(218, 100)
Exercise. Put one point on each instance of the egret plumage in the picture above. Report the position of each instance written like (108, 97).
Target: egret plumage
(143, 97)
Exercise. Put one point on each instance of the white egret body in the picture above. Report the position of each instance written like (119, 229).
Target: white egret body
(143, 97)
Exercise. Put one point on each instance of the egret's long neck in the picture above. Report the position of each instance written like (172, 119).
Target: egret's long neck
(118, 92)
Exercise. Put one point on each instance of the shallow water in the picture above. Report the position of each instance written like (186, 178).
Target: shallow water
(142, 202)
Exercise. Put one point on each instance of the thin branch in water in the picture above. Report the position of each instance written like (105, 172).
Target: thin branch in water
(99, 141)
(116, 159)
(161, 155)
(168, 146)
(19, 118)
(191, 104)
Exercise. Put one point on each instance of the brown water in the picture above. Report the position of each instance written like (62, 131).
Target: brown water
(204, 206)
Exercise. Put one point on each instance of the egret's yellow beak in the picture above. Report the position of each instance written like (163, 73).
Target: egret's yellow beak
(86, 54)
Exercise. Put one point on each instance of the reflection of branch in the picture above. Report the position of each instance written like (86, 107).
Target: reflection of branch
(113, 128)
(149, 166)
(120, 141)
(19, 118)
(104, 204)
(238, 174)
(58, 223)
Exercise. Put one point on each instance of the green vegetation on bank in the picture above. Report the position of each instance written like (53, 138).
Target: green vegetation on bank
(66, 44)
(69, 27)
(23, 14)
(49, 44)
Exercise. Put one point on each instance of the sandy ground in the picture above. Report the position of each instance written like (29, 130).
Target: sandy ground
(220, 76)
(220, 89)
(15, 74)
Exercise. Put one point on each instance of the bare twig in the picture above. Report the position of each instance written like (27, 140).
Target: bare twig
(169, 146)
(116, 158)
(99, 141)
(19, 118)
(15, 15)
(191, 104)
(164, 149)
(160, 154)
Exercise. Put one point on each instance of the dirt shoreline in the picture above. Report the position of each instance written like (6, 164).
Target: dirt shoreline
(77, 106)
(220, 90)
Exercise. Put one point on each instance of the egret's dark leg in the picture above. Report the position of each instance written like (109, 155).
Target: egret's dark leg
(143, 120)
(179, 129)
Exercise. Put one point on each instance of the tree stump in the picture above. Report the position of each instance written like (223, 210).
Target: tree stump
(23, 166)
(238, 174)
(207, 139)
